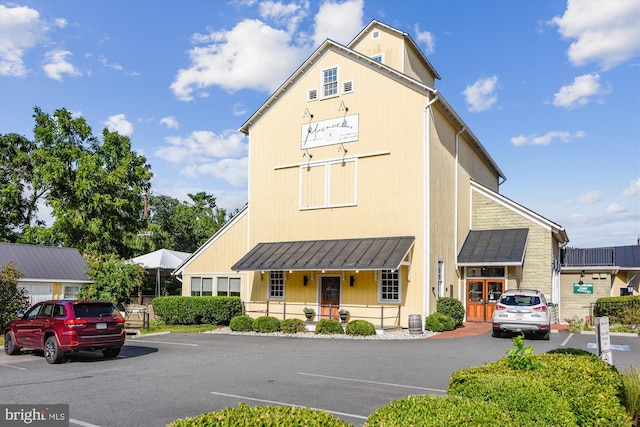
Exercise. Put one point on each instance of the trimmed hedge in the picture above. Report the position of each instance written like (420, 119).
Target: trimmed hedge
(529, 401)
(291, 326)
(592, 388)
(430, 410)
(452, 308)
(178, 310)
(268, 415)
(241, 324)
(438, 322)
(360, 327)
(266, 324)
(328, 327)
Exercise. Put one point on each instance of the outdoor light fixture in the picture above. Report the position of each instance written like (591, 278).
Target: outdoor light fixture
(630, 289)
(307, 114)
(305, 280)
(352, 280)
(343, 107)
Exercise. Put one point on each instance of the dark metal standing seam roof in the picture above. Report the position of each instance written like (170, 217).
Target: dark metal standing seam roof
(627, 256)
(380, 253)
(494, 247)
(45, 262)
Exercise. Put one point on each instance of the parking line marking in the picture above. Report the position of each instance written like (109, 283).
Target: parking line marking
(168, 342)
(373, 382)
(14, 367)
(566, 340)
(273, 402)
(81, 423)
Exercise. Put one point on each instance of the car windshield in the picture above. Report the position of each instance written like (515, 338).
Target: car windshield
(521, 300)
(95, 310)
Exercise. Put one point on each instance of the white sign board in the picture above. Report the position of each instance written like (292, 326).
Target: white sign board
(603, 342)
(329, 132)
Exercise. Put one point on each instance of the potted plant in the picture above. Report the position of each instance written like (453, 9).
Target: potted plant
(344, 315)
(309, 312)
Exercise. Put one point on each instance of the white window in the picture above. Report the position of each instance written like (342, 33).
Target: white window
(70, 292)
(228, 286)
(201, 286)
(330, 82)
(440, 278)
(276, 285)
(389, 286)
(329, 184)
(347, 87)
(378, 58)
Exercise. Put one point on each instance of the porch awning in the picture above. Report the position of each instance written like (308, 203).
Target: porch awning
(379, 253)
(494, 247)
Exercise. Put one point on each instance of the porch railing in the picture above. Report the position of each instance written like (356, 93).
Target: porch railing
(384, 317)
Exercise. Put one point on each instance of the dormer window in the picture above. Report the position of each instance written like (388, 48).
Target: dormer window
(378, 58)
(330, 82)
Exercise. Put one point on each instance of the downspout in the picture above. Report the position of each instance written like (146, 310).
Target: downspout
(455, 230)
(426, 200)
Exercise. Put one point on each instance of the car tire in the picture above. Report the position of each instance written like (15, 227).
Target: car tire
(52, 352)
(497, 333)
(111, 352)
(10, 346)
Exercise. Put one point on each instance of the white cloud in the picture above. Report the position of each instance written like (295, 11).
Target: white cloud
(481, 96)
(340, 22)
(239, 109)
(289, 15)
(580, 92)
(233, 171)
(203, 146)
(252, 55)
(56, 65)
(60, 22)
(120, 124)
(587, 198)
(427, 39)
(615, 208)
(634, 188)
(547, 138)
(22, 29)
(170, 122)
(603, 32)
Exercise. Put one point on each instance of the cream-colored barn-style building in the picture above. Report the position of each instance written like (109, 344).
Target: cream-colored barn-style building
(368, 192)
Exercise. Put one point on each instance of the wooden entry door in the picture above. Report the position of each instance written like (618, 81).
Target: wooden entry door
(330, 298)
(482, 295)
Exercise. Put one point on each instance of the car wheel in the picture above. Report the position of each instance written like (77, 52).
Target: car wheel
(111, 352)
(52, 352)
(497, 333)
(10, 346)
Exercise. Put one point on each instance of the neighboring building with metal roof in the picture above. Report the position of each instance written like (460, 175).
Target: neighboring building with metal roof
(49, 271)
(368, 192)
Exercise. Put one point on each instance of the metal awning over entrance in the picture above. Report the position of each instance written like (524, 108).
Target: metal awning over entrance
(379, 253)
(494, 247)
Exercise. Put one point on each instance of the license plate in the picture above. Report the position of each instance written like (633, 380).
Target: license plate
(101, 326)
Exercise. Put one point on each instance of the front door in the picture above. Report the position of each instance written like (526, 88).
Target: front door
(482, 295)
(330, 297)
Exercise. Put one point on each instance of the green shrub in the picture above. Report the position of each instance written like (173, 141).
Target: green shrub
(328, 327)
(266, 324)
(360, 327)
(631, 396)
(429, 410)
(292, 326)
(438, 322)
(241, 324)
(530, 402)
(613, 307)
(178, 310)
(265, 416)
(521, 357)
(592, 388)
(452, 308)
(574, 351)
(577, 324)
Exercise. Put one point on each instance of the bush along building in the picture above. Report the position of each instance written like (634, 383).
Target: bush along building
(368, 193)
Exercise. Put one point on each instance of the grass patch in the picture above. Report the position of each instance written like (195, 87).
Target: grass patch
(180, 329)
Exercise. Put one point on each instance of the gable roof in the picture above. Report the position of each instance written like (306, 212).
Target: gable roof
(494, 247)
(45, 263)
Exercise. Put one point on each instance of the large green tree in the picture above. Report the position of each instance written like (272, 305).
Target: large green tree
(12, 297)
(113, 279)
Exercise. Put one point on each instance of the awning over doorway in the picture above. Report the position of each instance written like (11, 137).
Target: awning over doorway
(494, 247)
(380, 253)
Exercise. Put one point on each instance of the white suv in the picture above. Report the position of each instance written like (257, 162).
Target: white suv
(522, 310)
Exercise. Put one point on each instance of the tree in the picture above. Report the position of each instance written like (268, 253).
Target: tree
(12, 297)
(94, 188)
(113, 279)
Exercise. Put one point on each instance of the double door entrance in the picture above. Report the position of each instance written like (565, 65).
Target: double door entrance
(482, 295)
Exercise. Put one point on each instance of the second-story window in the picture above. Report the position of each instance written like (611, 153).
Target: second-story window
(330, 82)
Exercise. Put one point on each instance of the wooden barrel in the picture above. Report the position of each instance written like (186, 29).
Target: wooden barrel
(415, 324)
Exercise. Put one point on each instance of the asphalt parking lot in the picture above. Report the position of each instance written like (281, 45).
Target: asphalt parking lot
(157, 379)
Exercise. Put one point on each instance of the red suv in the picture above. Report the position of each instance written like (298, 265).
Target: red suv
(60, 326)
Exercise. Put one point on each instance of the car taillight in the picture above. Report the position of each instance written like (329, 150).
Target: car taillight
(500, 306)
(75, 323)
(541, 308)
(119, 319)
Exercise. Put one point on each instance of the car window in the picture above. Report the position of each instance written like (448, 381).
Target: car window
(95, 310)
(33, 312)
(58, 311)
(46, 311)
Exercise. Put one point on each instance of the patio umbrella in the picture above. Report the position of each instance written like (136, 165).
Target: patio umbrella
(162, 259)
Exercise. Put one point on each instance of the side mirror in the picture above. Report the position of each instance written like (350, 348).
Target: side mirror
(20, 314)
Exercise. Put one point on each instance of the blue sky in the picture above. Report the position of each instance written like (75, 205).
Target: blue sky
(550, 88)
